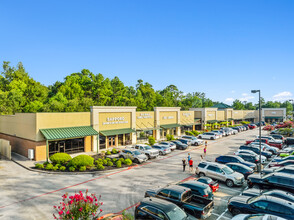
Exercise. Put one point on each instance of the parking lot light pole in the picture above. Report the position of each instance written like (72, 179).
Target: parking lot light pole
(259, 167)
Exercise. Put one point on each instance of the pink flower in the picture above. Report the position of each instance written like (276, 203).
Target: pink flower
(101, 210)
(81, 209)
(60, 212)
(101, 203)
(54, 206)
(68, 212)
(96, 204)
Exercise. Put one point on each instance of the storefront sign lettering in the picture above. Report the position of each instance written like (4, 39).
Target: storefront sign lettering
(168, 117)
(274, 113)
(115, 120)
(144, 115)
(187, 114)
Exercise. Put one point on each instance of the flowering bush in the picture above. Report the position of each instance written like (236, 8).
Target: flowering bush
(79, 206)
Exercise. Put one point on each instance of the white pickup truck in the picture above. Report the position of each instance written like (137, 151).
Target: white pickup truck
(147, 150)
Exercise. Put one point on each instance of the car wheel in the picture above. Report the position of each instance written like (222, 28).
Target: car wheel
(160, 153)
(200, 137)
(211, 138)
(229, 183)
(196, 144)
(148, 155)
(136, 161)
(255, 186)
(236, 211)
(121, 156)
(201, 174)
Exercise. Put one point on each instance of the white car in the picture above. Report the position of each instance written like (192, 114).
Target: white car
(171, 145)
(263, 158)
(147, 150)
(257, 217)
(194, 140)
(219, 133)
(208, 135)
(265, 146)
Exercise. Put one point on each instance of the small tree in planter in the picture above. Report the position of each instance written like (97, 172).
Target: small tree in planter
(79, 206)
(151, 140)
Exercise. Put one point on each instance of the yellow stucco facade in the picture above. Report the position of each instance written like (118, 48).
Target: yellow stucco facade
(145, 120)
(170, 117)
(114, 120)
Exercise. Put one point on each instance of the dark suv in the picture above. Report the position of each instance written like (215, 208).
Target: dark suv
(158, 209)
(234, 159)
(280, 181)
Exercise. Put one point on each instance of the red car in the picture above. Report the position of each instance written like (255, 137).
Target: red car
(282, 163)
(212, 184)
(263, 140)
(252, 126)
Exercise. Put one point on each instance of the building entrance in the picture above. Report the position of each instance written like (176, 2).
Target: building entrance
(111, 141)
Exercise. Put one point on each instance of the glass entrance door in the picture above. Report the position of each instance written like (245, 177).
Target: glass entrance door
(111, 141)
(120, 139)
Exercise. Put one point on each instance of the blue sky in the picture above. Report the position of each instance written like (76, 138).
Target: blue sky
(223, 48)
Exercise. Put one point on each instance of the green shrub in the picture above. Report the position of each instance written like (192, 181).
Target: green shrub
(170, 137)
(60, 158)
(62, 168)
(151, 140)
(39, 166)
(189, 133)
(122, 160)
(108, 152)
(83, 168)
(99, 160)
(195, 133)
(114, 160)
(100, 167)
(71, 169)
(110, 164)
(55, 168)
(118, 164)
(81, 160)
(114, 151)
(45, 163)
(108, 159)
(128, 162)
(49, 166)
(58, 165)
(105, 162)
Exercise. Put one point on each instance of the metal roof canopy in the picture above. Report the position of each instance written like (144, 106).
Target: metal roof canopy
(117, 131)
(170, 126)
(273, 117)
(68, 132)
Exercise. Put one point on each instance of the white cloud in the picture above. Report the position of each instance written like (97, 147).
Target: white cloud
(244, 94)
(246, 98)
(229, 100)
(282, 96)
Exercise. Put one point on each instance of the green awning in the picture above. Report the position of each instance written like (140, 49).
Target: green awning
(69, 132)
(117, 131)
(211, 121)
(273, 117)
(230, 119)
(170, 126)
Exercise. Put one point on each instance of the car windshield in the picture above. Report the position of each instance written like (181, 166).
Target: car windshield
(177, 213)
(178, 142)
(253, 199)
(148, 148)
(228, 170)
(137, 152)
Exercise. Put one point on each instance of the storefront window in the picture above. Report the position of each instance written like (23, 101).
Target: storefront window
(128, 139)
(120, 139)
(66, 146)
(143, 135)
(102, 144)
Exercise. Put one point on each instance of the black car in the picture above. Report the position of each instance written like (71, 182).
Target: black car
(234, 159)
(180, 145)
(267, 154)
(277, 136)
(286, 169)
(289, 141)
(275, 193)
(198, 189)
(158, 209)
(240, 168)
(249, 157)
(261, 204)
(280, 181)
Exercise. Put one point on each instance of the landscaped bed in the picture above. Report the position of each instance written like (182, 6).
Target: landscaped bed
(63, 162)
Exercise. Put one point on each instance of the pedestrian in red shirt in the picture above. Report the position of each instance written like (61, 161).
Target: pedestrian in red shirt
(191, 165)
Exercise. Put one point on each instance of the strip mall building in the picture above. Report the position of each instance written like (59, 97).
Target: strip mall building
(110, 126)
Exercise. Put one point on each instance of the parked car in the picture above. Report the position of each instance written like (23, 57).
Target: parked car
(163, 149)
(198, 189)
(134, 155)
(285, 169)
(147, 150)
(171, 145)
(257, 217)
(218, 133)
(234, 159)
(287, 154)
(158, 209)
(282, 163)
(212, 184)
(240, 168)
(279, 159)
(261, 204)
(183, 197)
(185, 141)
(280, 181)
(208, 135)
(273, 150)
(271, 139)
(227, 131)
(249, 158)
(263, 158)
(267, 154)
(289, 141)
(236, 129)
(252, 126)
(266, 141)
(220, 172)
(194, 140)
(233, 131)
(180, 145)
(275, 193)
(278, 137)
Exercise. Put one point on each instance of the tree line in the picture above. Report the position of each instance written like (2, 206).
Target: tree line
(21, 93)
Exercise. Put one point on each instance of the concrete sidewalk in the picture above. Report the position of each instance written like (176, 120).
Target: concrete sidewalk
(23, 161)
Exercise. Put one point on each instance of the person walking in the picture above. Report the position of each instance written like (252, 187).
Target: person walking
(184, 164)
(191, 165)
(204, 150)
(189, 157)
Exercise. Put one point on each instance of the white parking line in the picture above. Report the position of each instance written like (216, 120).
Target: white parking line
(222, 214)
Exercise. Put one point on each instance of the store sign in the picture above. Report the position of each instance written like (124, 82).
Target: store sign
(144, 116)
(210, 115)
(274, 113)
(115, 120)
(168, 117)
(187, 114)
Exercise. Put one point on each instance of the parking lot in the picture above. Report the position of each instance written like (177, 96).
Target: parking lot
(120, 190)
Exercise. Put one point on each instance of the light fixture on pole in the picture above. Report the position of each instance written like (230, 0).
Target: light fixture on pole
(255, 91)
